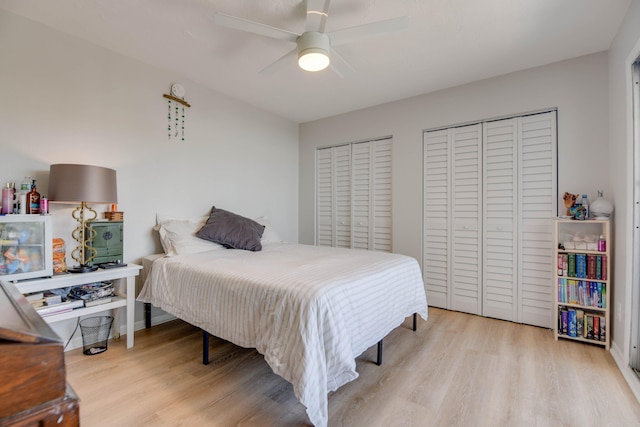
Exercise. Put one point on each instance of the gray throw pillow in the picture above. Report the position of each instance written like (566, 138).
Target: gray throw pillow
(232, 230)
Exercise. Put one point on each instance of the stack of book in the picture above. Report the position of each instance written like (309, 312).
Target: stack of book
(93, 293)
(579, 323)
(55, 304)
(36, 299)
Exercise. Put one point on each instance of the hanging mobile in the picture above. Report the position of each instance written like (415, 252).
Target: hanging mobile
(169, 128)
(177, 95)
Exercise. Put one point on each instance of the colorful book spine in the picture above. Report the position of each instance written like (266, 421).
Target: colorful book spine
(604, 267)
(571, 323)
(589, 330)
(599, 267)
(581, 266)
(560, 268)
(564, 322)
(591, 266)
(571, 265)
(580, 323)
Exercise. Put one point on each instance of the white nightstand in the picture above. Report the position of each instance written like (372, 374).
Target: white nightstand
(124, 283)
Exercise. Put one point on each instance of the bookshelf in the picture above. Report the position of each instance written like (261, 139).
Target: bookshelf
(582, 281)
(124, 282)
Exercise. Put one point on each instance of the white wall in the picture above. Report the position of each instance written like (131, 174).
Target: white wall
(64, 100)
(577, 87)
(624, 49)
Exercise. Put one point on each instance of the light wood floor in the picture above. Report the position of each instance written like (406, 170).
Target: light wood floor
(456, 370)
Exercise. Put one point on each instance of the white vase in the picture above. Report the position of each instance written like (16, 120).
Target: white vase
(601, 208)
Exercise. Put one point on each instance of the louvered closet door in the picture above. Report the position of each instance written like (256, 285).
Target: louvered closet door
(435, 251)
(333, 196)
(466, 214)
(538, 206)
(500, 220)
(371, 189)
(452, 218)
(362, 188)
(324, 197)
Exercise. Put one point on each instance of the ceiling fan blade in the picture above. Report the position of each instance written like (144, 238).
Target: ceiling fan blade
(254, 27)
(317, 12)
(339, 65)
(280, 63)
(359, 32)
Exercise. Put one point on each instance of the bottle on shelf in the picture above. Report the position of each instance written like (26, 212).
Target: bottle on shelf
(33, 200)
(7, 199)
(25, 187)
(585, 204)
(602, 244)
(14, 199)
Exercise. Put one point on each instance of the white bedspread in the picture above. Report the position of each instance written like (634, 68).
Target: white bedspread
(309, 310)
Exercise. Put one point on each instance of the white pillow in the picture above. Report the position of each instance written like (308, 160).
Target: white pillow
(178, 236)
(270, 235)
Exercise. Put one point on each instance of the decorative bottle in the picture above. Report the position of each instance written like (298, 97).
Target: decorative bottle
(7, 199)
(585, 204)
(33, 200)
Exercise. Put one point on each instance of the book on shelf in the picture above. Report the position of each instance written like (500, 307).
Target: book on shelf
(589, 329)
(580, 323)
(571, 323)
(48, 310)
(34, 296)
(98, 301)
(577, 323)
(582, 292)
(92, 291)
(51, 298)
(571, 265)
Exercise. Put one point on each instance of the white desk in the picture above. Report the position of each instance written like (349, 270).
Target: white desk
(124, 284)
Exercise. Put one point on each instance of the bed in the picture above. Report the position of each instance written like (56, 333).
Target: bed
(309, 310)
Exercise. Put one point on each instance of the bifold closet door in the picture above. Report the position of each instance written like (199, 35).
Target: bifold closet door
(333, 196)
(371, 189)
(537, 204)
(500, 213)
(452, 264)
(353, 195)
(490, 195)
(520, 194)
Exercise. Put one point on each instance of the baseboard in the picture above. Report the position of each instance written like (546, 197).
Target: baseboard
(630, 377)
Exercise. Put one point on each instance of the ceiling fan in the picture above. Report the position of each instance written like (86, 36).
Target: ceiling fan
(314, 47)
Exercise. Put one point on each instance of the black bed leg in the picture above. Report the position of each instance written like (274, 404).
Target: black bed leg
(205, 347)
(147, 315)
(415, 322)
(379, 361)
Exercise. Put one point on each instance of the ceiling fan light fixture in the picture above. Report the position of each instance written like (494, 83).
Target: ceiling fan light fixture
(313, 59)
(313, 51)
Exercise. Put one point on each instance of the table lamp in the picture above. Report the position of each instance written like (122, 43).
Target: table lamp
(82, 184)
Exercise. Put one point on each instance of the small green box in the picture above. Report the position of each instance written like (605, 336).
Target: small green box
(107, 241)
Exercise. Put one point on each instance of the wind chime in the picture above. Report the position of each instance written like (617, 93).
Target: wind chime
(176, 107)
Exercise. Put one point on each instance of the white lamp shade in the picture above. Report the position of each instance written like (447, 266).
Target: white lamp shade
(313, 51)
(69, 183)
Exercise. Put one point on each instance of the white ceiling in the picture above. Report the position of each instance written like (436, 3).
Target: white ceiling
(448, 43)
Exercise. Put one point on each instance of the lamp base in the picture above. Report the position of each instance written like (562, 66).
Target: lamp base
(83, 269)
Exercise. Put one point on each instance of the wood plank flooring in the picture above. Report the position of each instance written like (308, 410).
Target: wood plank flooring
(456, 370)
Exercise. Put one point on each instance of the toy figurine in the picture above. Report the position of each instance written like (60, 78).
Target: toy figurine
(569, 201)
